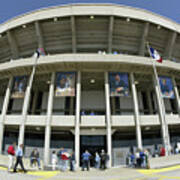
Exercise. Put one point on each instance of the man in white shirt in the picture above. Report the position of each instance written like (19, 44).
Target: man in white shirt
(19, 156)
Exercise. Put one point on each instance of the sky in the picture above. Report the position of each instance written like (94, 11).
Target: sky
(13, 8)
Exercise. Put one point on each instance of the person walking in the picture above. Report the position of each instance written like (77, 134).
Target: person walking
(11, 154)
(59, 157)
(65, 160)
(103, 159)
(72, 162)
(35, 158)
(54, 160)
(86, 160)
(97, 160)
(19, 156)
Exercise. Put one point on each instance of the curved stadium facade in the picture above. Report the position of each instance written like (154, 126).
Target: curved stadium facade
(39, 111)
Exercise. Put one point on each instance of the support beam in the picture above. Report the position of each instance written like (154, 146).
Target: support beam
(73, 29)
(108, 120)
(71, 106)
(39, 35)
(143, 39)
(48, 121)
(113, 106)
(136, 112)
(149, 102)
(176, 95)
(110, 34)
(34, 102)
(170, 45)
(77, 123)
(4, 111)
(13, 44)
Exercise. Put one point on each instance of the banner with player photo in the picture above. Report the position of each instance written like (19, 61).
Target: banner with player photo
(19, 86)
(166, 86)
(119, 84)
(65, 84)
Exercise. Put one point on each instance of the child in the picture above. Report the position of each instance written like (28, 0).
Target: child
(54, 160)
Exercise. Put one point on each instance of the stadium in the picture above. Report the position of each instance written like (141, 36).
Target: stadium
(94, 88)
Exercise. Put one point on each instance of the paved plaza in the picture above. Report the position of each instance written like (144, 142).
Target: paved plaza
(172, 173)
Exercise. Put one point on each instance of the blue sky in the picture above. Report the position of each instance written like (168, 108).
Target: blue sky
(12, 8)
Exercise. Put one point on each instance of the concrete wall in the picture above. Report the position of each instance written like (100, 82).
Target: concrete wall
(44, 101)
(127, 103)
(1, 102)
(59, 103)
(120, 150)
(17, 105)
(93, 100)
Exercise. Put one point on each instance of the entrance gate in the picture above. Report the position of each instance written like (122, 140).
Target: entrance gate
(92, 143)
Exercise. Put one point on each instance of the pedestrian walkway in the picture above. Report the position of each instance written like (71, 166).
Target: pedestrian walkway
(172, 173)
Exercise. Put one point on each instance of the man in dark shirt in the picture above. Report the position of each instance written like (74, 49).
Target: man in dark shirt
(35, 158)
(119, 86)
(86, 160)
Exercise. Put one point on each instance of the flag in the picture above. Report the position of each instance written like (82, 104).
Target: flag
(155, 55)
(39, 52)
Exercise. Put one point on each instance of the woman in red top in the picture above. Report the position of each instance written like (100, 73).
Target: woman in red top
(162, 151)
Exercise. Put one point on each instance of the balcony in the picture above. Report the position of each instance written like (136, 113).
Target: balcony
(93, 120)
(123, 120)
(63, 120)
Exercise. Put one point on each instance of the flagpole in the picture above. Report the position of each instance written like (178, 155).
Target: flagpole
(166, 141)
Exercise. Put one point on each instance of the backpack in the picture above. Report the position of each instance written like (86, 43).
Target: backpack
(11, 150)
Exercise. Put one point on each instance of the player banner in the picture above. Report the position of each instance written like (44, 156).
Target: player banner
(119, 84)
(166, 87)
(19, 86)
(65, 84)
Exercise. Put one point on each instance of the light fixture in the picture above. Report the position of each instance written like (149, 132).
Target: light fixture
(55, 19)
(24, 26)
(136, 82)
(92, 81)
(158, 27)
(147, 128)
(91, 17)
(127, 19)
(38, 128)
(48, 82)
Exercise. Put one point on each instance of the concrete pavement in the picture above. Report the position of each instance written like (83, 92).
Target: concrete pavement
(172, 173)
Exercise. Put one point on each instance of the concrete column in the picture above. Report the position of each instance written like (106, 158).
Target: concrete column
(176, 95)
(170, 45)
(34, 101)
(48, 121)
(143, 39)
(39, 35)
(4, 111)
(110, 35)
(108, 120)
(13, 44)
(71, 105)
(149, 102)
(77, 123)
(25, 107)
(136, 112)
(161, 109)
(113, 105)
(73, 29)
